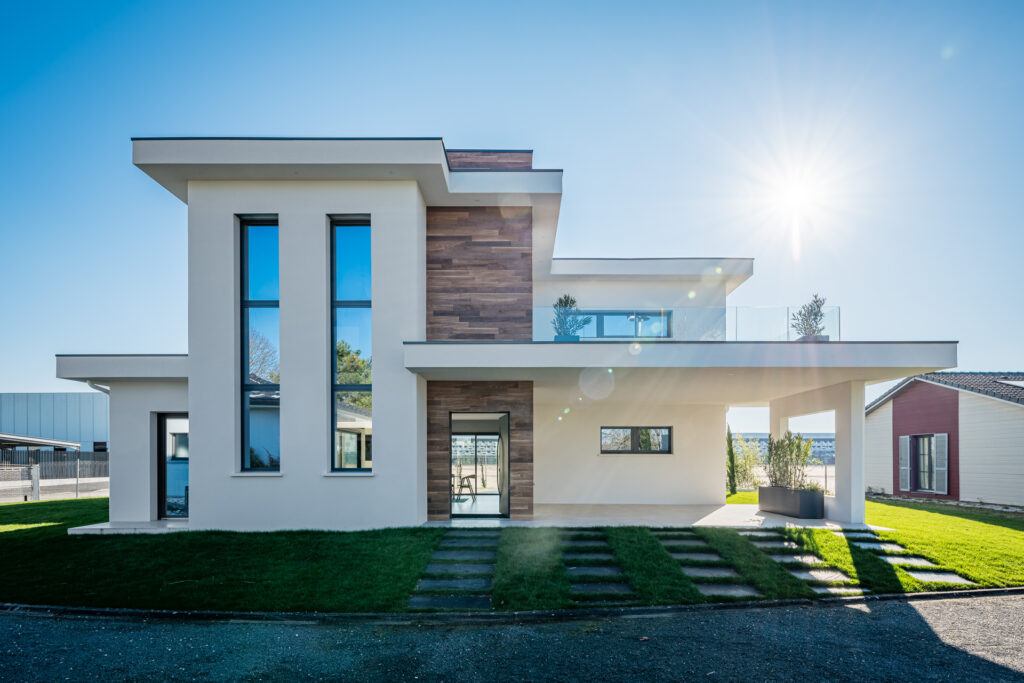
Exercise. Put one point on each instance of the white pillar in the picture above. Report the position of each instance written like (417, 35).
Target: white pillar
(848, 504)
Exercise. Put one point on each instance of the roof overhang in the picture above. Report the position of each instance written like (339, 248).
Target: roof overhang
(174, 162)
(109, 368)
(735, 373)
(731, 271)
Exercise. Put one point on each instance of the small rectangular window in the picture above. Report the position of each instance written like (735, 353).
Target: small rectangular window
(924, 454)
(636, 440)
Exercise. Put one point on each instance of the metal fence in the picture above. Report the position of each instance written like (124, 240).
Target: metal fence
(32, 475)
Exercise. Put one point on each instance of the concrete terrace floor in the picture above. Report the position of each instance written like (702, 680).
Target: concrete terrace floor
(731, 515)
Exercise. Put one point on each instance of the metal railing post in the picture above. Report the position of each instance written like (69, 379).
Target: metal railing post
(78, 472)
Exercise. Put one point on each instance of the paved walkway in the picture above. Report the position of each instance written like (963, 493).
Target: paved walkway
(968, 639)
(595, 577)
(460, 572)
(712, 575)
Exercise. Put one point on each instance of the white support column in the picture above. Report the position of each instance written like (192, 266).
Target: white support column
(848, 503)
(847, 400)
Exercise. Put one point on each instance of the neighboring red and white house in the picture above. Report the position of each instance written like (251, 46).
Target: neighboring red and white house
(948, 435)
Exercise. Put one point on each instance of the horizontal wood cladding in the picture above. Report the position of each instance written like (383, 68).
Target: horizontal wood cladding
(489, 160)
(514, 398)
(480, 273)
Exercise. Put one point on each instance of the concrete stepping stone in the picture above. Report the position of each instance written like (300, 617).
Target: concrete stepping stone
(673, 544)
(908, 560)
(483, 532)
(585, 532)
(798, 559)
(939, 577)
(458, 568)
(468, 542)
(857, 535)
(727, 590)
(819, 575)
(710, 572)
(759, 534)
(458, 585)
(593, 571)
(463, 555)
(460, 602)
(884, 547)
(775, 545)
(696, 557)
(581, 556)
(586, 543)
(839, 590)
(584, 589)
(674, 534)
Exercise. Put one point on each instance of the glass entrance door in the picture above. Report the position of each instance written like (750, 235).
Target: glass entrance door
(476, 489)
(172, 466)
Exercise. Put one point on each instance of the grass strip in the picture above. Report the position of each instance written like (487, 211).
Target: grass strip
(529, 573)
(770, 578)
(654, 575)
(863, 566)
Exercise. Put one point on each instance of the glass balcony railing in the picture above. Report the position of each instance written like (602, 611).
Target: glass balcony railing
(687, 323)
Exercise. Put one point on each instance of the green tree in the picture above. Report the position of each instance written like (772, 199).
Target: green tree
(352, 368)
(730, 460)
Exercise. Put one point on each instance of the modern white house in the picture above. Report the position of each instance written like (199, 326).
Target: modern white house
(370, 344)
(955, 436)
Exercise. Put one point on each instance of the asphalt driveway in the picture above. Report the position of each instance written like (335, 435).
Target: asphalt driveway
(980, 638)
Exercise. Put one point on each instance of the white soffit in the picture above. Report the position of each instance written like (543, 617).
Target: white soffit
(733, 271)
(173, 162)
(122, 367)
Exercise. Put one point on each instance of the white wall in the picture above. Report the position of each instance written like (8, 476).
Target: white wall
(305, 494)
(991, 450)
(878, 449)
(569, 467)
(133, 445)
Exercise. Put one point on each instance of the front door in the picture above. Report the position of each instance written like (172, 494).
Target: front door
(172, 465)
(479, 457)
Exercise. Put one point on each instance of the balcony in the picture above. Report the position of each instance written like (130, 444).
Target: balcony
(687, 323)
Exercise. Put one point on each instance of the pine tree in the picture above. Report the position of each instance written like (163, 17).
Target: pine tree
(730, 460)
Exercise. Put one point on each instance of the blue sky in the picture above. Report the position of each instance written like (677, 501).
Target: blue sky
(674, 122)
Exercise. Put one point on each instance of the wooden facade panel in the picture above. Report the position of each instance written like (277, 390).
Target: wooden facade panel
(493, 160)
(925, 408)
(445, 398)
(480, 273)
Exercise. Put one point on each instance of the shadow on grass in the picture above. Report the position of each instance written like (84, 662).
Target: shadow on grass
(655, 576)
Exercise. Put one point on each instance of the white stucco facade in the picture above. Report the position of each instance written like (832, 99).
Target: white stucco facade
(686, 381)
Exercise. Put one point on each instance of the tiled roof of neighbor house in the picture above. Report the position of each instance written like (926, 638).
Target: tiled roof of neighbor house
(1006, 386)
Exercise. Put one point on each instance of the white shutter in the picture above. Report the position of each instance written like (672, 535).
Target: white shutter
(942, 463)
(904, 463)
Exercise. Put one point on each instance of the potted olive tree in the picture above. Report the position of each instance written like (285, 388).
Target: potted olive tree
(788, 491)
(809, 321)
(568, 320)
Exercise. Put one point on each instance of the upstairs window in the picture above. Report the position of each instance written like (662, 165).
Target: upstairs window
(628, 324)
(260, 352)
(352, 345)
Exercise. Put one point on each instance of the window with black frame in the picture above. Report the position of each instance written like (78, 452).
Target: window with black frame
(352, 345)
(261, 366)
(628, 324)
(636, 440)
(924, 454)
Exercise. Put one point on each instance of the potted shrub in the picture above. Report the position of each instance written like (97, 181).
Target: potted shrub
(788, 491)
(808, 321)
(568, 321)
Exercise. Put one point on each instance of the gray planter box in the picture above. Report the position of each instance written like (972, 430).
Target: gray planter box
(567, 337)
(797, 503)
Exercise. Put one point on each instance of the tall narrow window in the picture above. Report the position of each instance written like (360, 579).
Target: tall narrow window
(352, 344)
(261, 369)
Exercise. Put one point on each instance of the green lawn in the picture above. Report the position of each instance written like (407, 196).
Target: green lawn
(377, 570)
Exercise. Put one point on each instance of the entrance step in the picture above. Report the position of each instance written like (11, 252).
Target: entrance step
(461, 568)
(696, 557)
(600, 589)
(573, 556)
(775, 545)
(592, 571)
(823, 575)
(759, 533)
(939, 577)
(727, 590)
(908, 561)
(857, 535)
(463, 555)
(810, 560)
(884, 547)
(596, 543)
(461, 585)
(452, 602)
(839, 590)
(469, 542)
(710, 572)
(682, 545)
